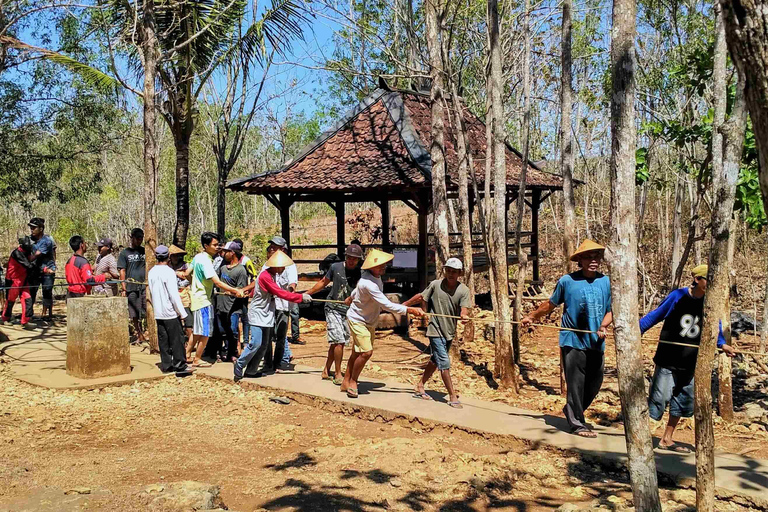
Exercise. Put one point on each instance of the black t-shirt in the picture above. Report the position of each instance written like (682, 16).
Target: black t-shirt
(344, 281)
(132, 260)
(681, 325)
(236, 276)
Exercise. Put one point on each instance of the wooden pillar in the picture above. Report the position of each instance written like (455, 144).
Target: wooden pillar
(422, 258)
(535, 202)
(340, 225)
(385, 222)
(285, 218)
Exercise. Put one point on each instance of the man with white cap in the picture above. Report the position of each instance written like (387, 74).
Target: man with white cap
(344, 275)
(675, 362)
(366, 302)
(586, 298)
(169, 313)
(450, 297)
(261, 314)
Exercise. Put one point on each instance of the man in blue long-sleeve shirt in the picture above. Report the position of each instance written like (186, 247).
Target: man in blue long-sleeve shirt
(672, 383)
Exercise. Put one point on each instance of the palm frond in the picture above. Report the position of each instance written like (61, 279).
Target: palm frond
(279, 25)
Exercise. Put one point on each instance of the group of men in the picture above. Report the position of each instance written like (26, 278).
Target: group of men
(262, 303)
(586, 299)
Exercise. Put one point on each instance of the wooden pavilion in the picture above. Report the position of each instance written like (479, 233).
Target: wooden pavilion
(378, 152)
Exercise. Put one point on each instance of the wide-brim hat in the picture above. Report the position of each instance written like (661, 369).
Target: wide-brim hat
(586, 246)
(279, 259)
(375, 258)
(174, 249)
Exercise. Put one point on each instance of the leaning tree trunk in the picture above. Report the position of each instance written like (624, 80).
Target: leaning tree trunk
(566, 150)
(522, 258)
(151, 154)
(746, 32)
(629, 349)
(724, 185)
(677, 231)
(504, 365)
(725, 393)
(437, 149)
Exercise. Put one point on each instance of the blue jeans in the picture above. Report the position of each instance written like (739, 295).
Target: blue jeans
(248, 362)
(439, 347)
(287, 355)
(673, 387)
(237, 318)
(294, 311)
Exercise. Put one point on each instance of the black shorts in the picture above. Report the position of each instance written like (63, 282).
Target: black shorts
(189, 322)
(137, 303)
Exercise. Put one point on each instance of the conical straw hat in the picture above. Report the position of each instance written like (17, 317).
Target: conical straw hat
(279, 259)
(375, 258)
(176, 250)
(586, 246)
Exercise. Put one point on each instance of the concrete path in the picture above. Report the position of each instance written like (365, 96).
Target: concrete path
(38, 358)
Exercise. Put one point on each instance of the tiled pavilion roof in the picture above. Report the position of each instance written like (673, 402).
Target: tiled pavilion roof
(382, 145)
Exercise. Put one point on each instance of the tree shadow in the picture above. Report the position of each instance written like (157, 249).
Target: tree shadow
(375, 475)
(480, 369)
(305, 498)
(525, 373)
(300, 461)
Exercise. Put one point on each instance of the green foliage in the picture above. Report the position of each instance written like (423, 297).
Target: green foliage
(642, 173)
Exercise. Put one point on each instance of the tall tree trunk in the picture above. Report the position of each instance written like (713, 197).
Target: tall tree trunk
(747, 36)
(505, 367)
(566, 150)
(437, 149)
(764, 332)
(724, 186)
(151, 154)
(522, 257)
(677, 230)
(182, 191)
(465, 223)
(221, 202)
(725, 393)
(410, 30)
(629, 349)
(490, 240)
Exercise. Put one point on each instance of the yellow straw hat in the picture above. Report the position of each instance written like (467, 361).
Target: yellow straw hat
(279, 259)
(700, 271)
(586, 246)
(176, 250)
(375, 258)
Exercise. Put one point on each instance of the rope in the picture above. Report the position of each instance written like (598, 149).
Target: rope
(113, 281)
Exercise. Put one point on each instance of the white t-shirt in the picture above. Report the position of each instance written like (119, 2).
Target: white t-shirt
(164, 293)
(368, 300)
(284, 279)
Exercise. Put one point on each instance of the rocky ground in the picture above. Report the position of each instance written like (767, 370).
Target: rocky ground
(203, 444)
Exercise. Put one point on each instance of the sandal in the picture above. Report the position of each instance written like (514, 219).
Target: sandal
(674, 447)
(585, 432)
(352, 393)
(422, 396)
(337, 381)
(202, 364)
(456, 405)
(326, 377)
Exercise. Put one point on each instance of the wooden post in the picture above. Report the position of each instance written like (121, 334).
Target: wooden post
(285, 218)
(385, 222)
(535, 204)
(340, 225)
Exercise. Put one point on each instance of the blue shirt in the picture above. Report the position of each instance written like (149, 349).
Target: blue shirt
(586, 302)
(47, 248)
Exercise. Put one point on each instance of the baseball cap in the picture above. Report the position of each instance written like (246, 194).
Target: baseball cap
(454, 263)
(278, 240)
(700, 271)
(137, 233)
(233, 246)
(354, 251)
(36, 222)
(104, 242)
(161, 250)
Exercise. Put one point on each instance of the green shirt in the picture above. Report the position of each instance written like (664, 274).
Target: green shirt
(442, 302)
(202, 282)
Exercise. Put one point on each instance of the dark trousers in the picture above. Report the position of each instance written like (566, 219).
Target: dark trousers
(294, 322)
(279, 332)
(583, 376)
(46, 280)
(228, 346)
(170, 338)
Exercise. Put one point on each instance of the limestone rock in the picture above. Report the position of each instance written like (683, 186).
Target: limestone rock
(188, 495)
(567, 507)
(97, 337)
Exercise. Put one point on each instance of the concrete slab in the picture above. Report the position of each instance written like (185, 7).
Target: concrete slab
(38, 357)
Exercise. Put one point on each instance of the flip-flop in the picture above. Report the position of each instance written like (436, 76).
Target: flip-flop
(421, 396)
(326, 377)
(337, 382)
(202, 364)
(585, 432)
(280, 400)
(674, 447)
(456, 405)
(352, 393)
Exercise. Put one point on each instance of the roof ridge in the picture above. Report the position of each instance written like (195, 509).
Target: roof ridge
(400, 117)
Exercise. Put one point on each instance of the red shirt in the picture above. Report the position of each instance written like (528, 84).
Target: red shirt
(79, 275)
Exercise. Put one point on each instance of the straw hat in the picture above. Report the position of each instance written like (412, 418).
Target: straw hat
(176, 250)
(586, 246)
(375, 258)
(278, 260)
